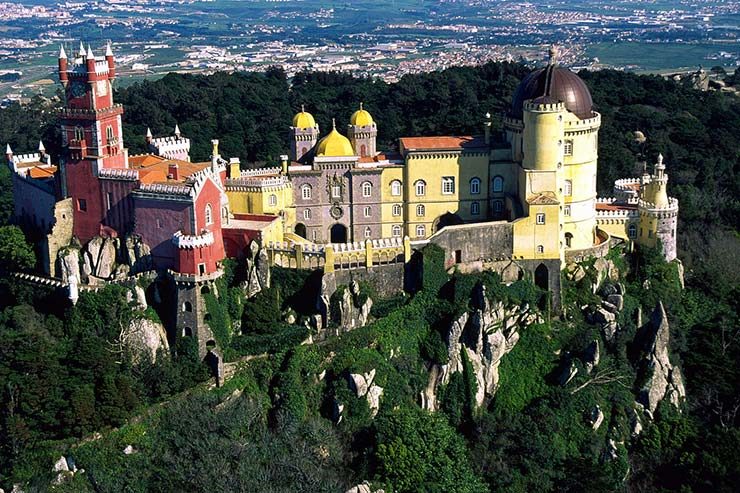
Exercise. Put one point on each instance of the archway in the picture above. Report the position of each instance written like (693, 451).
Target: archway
(338, 233)
(542, 277)
(447, 219)
(300, 230)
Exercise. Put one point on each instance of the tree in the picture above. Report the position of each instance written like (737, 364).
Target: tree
(15, 252)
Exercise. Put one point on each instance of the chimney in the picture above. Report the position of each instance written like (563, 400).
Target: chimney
(284, 163)
(234, 168)
(173, 171)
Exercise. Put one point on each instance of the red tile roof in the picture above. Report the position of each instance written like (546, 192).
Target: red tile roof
(441, 143)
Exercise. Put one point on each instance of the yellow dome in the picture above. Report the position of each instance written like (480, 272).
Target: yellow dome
(361, 118)
(334, 145)
(303, 119)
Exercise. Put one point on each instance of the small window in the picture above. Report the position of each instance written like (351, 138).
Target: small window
(650, 233)
(396, 230)
(272, 200)
(421, 231)
(201, 269)
(187, 307)
(568, 240)
(566, 211)
(421, 187)
(159, 223)
(448, 185)
(79, 133)
(632, 231)
(568, 188)
(540, 249)
(109, 133)
(497, 184)
(367, 189)
(367, 211)
(568, 148)
(336, 191)
(306, 192)
(498, 206)
(306, 213)
(109, 200)
(396, 210)
(82, 205)
(314, 235)
(540, 218)
(475, 208)
(368, 232)
(475, 186)
(420, 210)
(209, 214)
(395, 188)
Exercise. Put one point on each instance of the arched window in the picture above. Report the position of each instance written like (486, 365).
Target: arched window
(79, 133)
(448, 185)
(540, 249)
(475, 186)
(568, 239)
(368, 232)
(209, 214)
(421, 187)
(498, 184)
(566, 210)
(396, 230)
(307, 214)
(498, 206)
(396, 209)
(367, 211)
(109, 133)
(421, 231)
(475, 208)
(367, 189)
(420, 210)
(187, 307)
(568, 188)
(395, 188)
(306, 192)
(272, 200)
(632, 231)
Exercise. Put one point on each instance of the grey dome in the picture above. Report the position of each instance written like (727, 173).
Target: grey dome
(555, 84)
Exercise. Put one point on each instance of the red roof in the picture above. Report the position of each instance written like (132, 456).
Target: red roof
(441, 143)
(600, 206)
(155, 169)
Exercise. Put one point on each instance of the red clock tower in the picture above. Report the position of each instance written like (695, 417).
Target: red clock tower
(92, 136)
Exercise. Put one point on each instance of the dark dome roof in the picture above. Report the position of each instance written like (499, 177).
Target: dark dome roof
(554, 83)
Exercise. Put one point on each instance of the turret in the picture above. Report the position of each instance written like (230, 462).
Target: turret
(660, 181)
(215, 156)
(111, 61)
(82, 53)
(9, 153)
(90, 64)
(63, 65)
(304, 134)
(149, 135)
(362, 132)
(177, 131)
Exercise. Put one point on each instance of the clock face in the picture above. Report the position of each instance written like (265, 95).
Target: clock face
(77, 89)
(102, 87)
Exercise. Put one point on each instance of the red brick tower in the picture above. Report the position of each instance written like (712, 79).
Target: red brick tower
(92, 137)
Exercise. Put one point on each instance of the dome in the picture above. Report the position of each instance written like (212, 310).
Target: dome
(334, 145)
(303, 119)
(555, 84)
(361, 118)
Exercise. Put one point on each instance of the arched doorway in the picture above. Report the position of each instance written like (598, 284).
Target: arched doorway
(338, 233)
(300, 230)
(447, 219)
(542, 277)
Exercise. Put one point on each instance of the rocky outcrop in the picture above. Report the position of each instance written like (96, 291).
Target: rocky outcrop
(352, 314)
(143, 338)
(69, 263)
(363, 488)
(258, 270)
(596, 417)
(591, 356)
(485, 335)
(99, 257)
(661, 378)
(364, 386)
(137, 255)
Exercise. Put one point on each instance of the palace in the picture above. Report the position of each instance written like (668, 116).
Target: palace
(522, 201)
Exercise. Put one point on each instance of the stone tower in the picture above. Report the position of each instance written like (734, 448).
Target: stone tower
(658, 211)
(362, 132)
(304, 133)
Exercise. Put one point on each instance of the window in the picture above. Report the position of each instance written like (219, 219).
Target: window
(568, 239)
(109, 200)
(272, 200)
(396, 209)
(568, 148)
(498, 206)
(367, 211)
(82, 205)
(306, 192)
(540, 249)
(109, 133)
(395, 188)
(209, 214)
(396, 230)
(368, 232)
(314, 235)
(498, 184)
(201, 269)
(475, 186)
(336, 191)
(79, 133)
(540, 218)
(307, 214)
(420, 210)
(568, 188)
(159, 223)
(421, 187)
(187, 307)
(566, 211)
(475, 208)
(448, 185)
(632, 231)
(421, 231)
(224, 212)
(367, 189)
(650, 233)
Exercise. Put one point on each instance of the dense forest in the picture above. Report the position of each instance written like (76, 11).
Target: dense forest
(67, 388)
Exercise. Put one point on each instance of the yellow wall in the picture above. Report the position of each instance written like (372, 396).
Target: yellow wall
(528, 235)
(388, 175)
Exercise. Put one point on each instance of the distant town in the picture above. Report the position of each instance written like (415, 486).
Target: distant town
(386, 39)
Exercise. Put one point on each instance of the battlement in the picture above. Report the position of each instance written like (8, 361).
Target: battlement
(552, 107)
(671, 206)
(30, 158)
(183, 241)
(260, 172)
(256, 183)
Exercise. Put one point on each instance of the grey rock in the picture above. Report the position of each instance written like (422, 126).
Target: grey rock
(352, 315)
(603, 316)
(610, 330)
(569, 372)
(69, 261)
(143, 339)
(617, 300)
(137, 254)
(609, 307)
(374, 393)
(128, 450)
(591, 356)
(61, 465)
(596, 417)
(429, 394)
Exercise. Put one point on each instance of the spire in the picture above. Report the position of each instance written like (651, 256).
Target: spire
(108, 50)
(82, 50)
(8, 150)
(660, 159)
(42, 149)
(360, 105)
(62, 53)
(90, 55)
(333, 124)
(303, 108)
(177, 131)
(148, 133)
(553, 55)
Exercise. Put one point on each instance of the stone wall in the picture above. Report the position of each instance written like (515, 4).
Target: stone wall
(480, 242)
(387, 280)
(60, 235)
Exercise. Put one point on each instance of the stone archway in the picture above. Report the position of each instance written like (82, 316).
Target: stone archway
(338, 233)
(446, 219)
(300, 230)
(542, 277)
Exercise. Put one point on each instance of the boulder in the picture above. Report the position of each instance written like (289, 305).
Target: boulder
(128, 450)
(603, 316)
(137, 255)
(429, 394)
(99, 257)
(360, 488)
(336, 411)
(258, 270)
(596, 417)
(609, 307)
(567, 374)
(616, 300)
(610, 330)
(140, 297)
(61, 465)
(374, 393)
(69, 262)
(143, 338)
(590, 356)
(662, 378)
(351, 314)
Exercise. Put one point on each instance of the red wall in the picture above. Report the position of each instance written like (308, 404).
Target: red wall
(156, 221)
